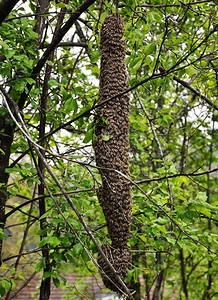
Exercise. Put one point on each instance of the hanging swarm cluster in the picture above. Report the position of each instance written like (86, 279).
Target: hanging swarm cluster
(112, 148)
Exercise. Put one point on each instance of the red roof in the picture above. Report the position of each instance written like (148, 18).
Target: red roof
(82, 287)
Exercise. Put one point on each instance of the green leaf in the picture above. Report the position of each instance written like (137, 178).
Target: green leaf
(12, 170)
(30, 182)
(2, 235)
(30, 80)
(64, 93)
(135, 61)
(173, 169)
(13, 282)
(53, 83)
(21, 277)
(137, 65)
(95, 71)
(191, 71)
(95, 55)
(32, 34)
(56, 282)
(4, 45)
(206, 212)
(180, 197)
(37, 180)
(77, 249)
(90, 44)
(162, 228)
(161, 221)
(88, 136)
(2, 151)
(70, 106)
(85, 256)
(143, 238)
(57, 256)
(156, 16)
(6, 284)
(12, 192)
(50, 63)
(45, 215)
(105, 137)
(202, 196)
(25, 172)
(150, 49)
(46, 275)
(44, 241)
(40, 265)
(2, 290)
(54, 241)
(63, 279)
(170, 240)
(129, 276)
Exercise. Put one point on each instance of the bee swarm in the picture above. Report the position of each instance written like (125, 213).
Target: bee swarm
(113, 152)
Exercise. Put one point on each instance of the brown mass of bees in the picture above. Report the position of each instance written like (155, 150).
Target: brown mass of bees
(113, 152)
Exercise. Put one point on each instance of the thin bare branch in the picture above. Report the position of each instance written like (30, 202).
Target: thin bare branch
(174, 5)
(43, 197)
(70, 202)
(67, 44)
(177, 175)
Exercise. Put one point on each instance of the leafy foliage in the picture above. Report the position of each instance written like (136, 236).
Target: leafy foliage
(172, 64)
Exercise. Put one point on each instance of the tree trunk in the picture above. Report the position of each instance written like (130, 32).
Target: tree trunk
(6, 138)
(159, 280)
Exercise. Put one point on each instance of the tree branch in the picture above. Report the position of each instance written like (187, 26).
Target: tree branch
(165, 212)
(23, 286)
(72, 205)
(6, 7)
(177, 175)
(66, 44)
(173, 5)
(196, 92)
(43, 197)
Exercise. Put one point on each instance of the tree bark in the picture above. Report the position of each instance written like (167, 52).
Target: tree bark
(6, 138)
(6, 7)
(159, 280)
(45, 287)
(183, 273)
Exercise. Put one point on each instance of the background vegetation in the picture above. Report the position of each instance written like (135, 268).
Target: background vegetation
(49, 71)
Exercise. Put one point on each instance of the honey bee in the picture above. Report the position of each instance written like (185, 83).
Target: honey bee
(115, 194)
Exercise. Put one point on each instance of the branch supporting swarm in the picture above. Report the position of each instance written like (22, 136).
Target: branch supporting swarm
(112, 148)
